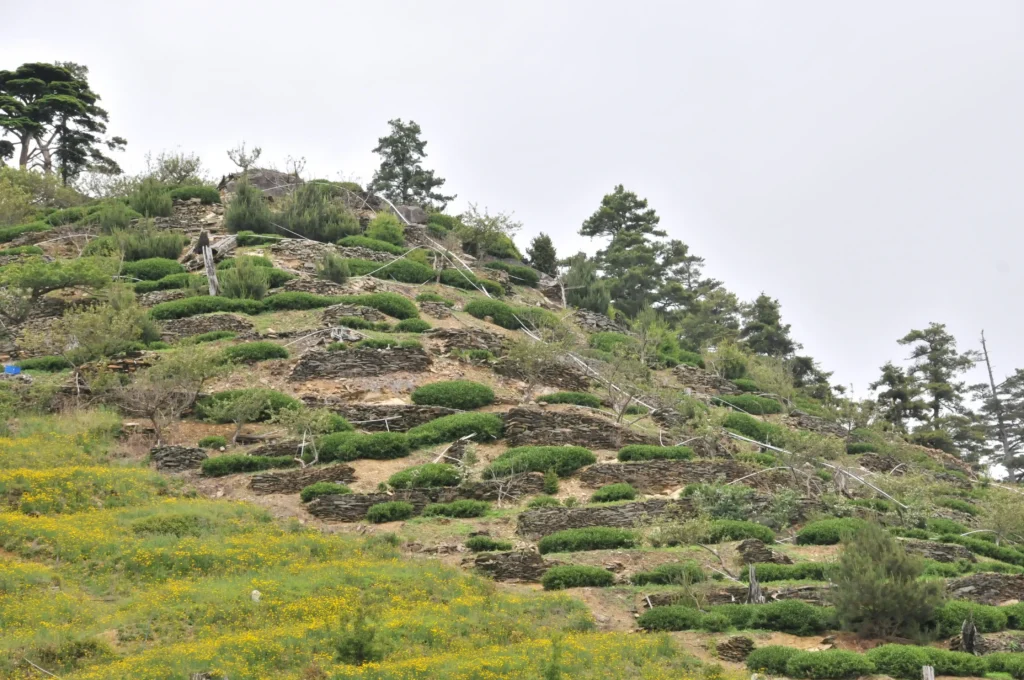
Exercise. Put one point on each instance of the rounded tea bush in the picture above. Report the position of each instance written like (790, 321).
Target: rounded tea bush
(830, 664)
(671, 618)
(576, 576)
(151, 269)
(51, 364)
(738, 530)
(590, 538)
(487, 544)
(426, 476)
(392, 511)
(853, 448)
(323, 489)
(577, 398)
(899, 661)
(614, 492)
(235, 463)
(411, 326)
(214, 441)
(635, 452)
(753, 404)
(251, 352)
(827, 531)
(458, 394)
(564, 460)
(348, 446)
(755, 429)
(459, 508)
(674, 573)
(485, 426)
(543, 502)
(275, 402)
(771, 659)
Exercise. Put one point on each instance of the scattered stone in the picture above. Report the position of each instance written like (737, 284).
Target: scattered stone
(754, 551)
(543, 521)
(360, 253)
(331, 315)
(736, 649)
(158, 296)
(804, 421)
(517, 565)
(273, 183)
(568, 425)
(194, 325)
(384, 417)
(561, 374)
(306, 253)
(413, 214)
(987, 588)
(940, 552)
(703, 381)
(596, 323)
(436, 310)
(360, 362)
(293, 481)
(465, 338)
(176, 458)
(304, 284)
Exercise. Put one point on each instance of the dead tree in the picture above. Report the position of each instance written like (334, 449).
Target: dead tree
(211, 271)
(754, 593)
(969, 636)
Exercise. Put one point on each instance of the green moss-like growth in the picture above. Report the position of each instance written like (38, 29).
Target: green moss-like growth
(460, 278)
(637, 452)
(771, 659)
(386, 227)
(371, 244)
(485, 427)
(577, 398)
(509, 317)
(738, 530)
(614, 492)
(275, 400)
(576, 576)
(214, 441)
(520, 275)
(426, 476)
(235, 463)
(180, 309)
(171, 282)
(487, 544)
(434, 297)
(672, 618)
(458, 394)
(393, 511)
(460, 508)
(752, 404)
(591, 538)
(251, 352)
(673, 573)
(544, 501)
(151, 269)
(564, 460)
(323, 489)
(392, 304)
(853, 448)
(411, 326)
(828, 531)
(347, 446)
(51, 364)
(958, 505)
(751, 427)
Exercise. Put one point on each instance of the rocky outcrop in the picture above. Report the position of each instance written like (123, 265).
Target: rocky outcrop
(360, 362)
(880, 463)
(753, 551)
(703, 381)
(465, 338)
(157, 297)
(940, 552)
(818, 595)
(384, 417)
(294, 481)
(332, 315)
(596, 323)
(735, 649)
(176, 458)
(544, 521)
(518, 565)
(413, 214)
(360, 253)
(305, 253)
(568, 425)
(315, 286)
(273, 183)
(987, 588)
(659, 475)
(804, 421)
(194, 325)
(560, 374)
(436, 310)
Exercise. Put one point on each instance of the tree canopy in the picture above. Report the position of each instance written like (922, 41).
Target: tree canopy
(401, 176)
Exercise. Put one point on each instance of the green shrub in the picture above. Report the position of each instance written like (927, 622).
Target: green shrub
(811, 571)
(235, 463)
(636, 410)
(673, 573)
(934, 439)
(211, 336)
(311, 212)
(11, 233)
(426, 476)
(746, 385)
(253, 260)
(900, 661)
(460, 508)
(576, 576)
(853, 448)
(151, 199)
(958, 505)
(404, 271)
(411, 326)
(590, 538)
(245, 281)
(333, 267)
(500, 313)
(248, 211)
(828, 664)
(51, 364)
(614, 492)
(59, 218)
(390, 343)
(392, 304)
(214, 441)
(153, 268)
(1005, 662)
(610, 341)
(828, 531)
(458, 394)
(248, 238)
(786, 616)
(21, 250)
(485, 426)
(521, 275)
(941, 525)
(206, 194)
(351, 446)
(577, 398)
(251, 352)
(180, 309)
(371, 244)
(737, 530)
(139, 243)
(960, 664)
(297, 300)
(172, 282)
(386, 227)
(636, 452)
(550, 481)
(113, 216)
(543, 502)
(981, 547)
(771, 660)
(752, 404)
(392, 511)
(671, 618)
(564, 460)
(989, 619)
(460, 278)
(486, 544)
(323, 489)
(434, 297)
(763, 460)
(755, 429)
(444, 222)
(276, 401)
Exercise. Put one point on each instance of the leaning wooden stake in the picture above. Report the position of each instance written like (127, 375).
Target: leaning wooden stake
(927, 672)
(754, 593)
(211, 271)
(969, 636)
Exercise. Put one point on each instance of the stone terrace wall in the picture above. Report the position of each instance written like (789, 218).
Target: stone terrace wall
(987, 588)
(294, 481)
(658, 475)
(544, 521)
(556, 374)
(518, 565)
(176, 458)
(546, 426)
(940, 552)
(803, 421)
(332, 314)
(194, 325)
(704, 381)
(360, 362)
(464, 338)
(371, 417)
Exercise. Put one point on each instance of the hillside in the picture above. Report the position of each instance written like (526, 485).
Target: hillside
(391, 453)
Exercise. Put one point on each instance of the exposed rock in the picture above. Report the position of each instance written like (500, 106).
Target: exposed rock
(194, 325)
(294, 481)
(281, 447)
(176, 458)
(878, 463)
(191, 217)
(413, 214)
(568, 425)
(737, 648)
(754, 551)
(659, 475)
(465, 338)
(990, 643)
(384, 417)
(331, 315)
(306, 284)
(559, 374)
(596, 323)
(360, 253)
(517, 565)
(360, 362)
(738, 595)
(987, 588)
(158, 296)
(804, 421)
(273, 183)
(703, 381)
(549, 288)
(306, 253)
(544, 521)
(940, 552)
(436, 310)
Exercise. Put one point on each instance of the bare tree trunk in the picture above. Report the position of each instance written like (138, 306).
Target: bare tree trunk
(211, 269)
(25, 141)
(754, 592)
(1007, 453)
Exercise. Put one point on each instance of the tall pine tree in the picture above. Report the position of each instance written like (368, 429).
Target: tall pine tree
(900, 397)
(541, 255)
(938, 364)
(401, 176)
(763, 332)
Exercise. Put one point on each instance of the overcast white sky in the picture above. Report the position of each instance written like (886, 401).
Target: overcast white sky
(861, 161)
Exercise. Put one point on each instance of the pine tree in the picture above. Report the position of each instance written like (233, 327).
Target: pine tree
(764, 332)
(938, 363)
(622, 211)
(899, 399)
(713, 319)
(1007, 405)
(583, 287)
(541, 255)
(401, 177)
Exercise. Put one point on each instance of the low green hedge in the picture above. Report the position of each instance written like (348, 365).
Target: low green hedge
(279, 302)
(460, 508)
(590, 538)
(485, 426)
(193, 306)
(388, 303)
(507, 316)
(576, 576)
(853, 448)
(614, 492)
(487, 544)
(275, 402)
(371, 244)
(828, 531)
(801, 571)
(746, 385)
(214, 441)
(211, 336)
(564, 460)
(521, 275)
(403, 271)
(205, 193)
(21, 250)
(235, 463)
(460, 278)
(426, 476)
(11, 233)
(755, 429)
(577, 398)
(251, 352)
(673, 573)
(434, 297)
(152, 268)
(323, 489)
(255, 260)
(958, 505)
(830, 664)
(543, 502)
(392, 511)
(737, 530)
(463, 395)
(1002, 553)
(752, 404)
(170, 282)
(412, 326)
(346, 446)
(392, 304)
(51, 364)
(638, 452)
(771, 659)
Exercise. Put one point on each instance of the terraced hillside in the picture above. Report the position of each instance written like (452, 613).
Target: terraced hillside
(380, 475)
